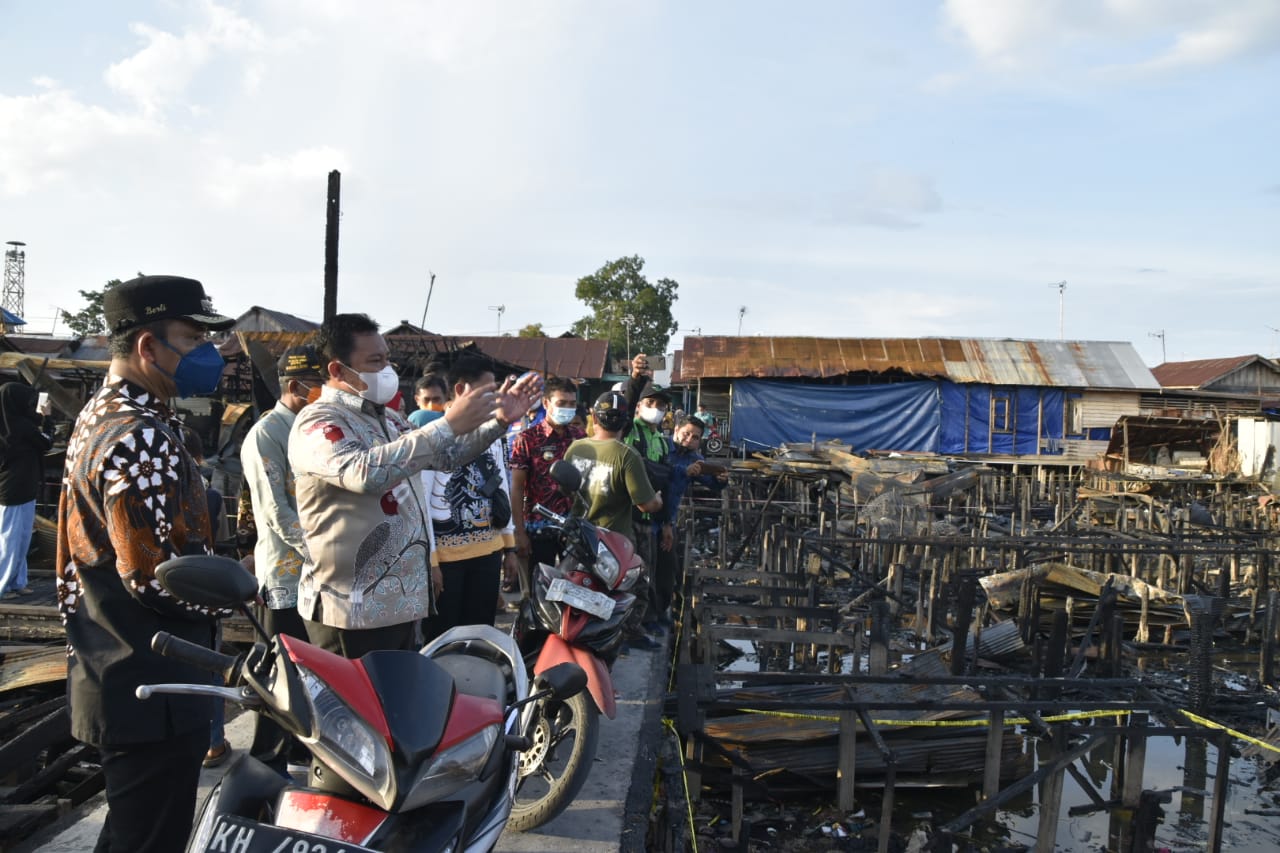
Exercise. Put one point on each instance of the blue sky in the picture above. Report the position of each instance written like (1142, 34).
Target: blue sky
(844, 168)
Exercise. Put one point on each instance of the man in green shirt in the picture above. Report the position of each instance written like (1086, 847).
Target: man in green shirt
(613, 475)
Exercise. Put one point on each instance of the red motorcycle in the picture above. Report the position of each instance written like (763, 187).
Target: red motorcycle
(411, 751)
(574, 613)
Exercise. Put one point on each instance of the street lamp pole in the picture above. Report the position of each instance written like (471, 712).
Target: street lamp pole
(501, 309)
(742, 311)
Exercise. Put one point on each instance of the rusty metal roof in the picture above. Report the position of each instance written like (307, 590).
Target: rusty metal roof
(575, 358)
(1064, 364)
(1197, 374)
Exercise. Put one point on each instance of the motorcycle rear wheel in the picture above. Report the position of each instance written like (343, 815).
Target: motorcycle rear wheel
(554, 770)
(714, 445)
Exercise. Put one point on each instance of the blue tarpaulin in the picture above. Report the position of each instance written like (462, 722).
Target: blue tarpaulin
(1001, 419)
(905, 416)
(11, 319)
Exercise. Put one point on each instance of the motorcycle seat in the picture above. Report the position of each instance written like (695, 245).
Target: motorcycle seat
(476, 676)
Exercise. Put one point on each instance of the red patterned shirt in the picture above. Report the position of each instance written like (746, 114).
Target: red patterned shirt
(533, 451)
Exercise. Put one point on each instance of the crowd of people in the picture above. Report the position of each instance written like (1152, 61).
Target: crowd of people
(365, 528)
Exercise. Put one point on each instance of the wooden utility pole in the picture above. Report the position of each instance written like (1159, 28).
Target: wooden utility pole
(333, 209)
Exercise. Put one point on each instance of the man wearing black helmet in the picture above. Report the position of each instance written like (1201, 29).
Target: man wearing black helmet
(613, 475)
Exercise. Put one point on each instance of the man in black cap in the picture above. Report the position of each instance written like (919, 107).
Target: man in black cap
(281, 547)
(613, 476)
(131, 498)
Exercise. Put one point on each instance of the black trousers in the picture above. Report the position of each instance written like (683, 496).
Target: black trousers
(543, 548)
(358, 642)
(470, 589)
(272, 745)
(151, 793)
(665, 572)
(646, 547)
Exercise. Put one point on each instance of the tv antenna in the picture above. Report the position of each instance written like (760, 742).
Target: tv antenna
(1062, 305)
(501, 309)
(430, 287)
(1160, 334)
(742, 312)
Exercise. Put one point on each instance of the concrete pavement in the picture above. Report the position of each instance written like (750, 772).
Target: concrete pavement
(596, 822)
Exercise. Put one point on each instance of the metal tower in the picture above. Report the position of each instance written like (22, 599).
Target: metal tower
(15, 276)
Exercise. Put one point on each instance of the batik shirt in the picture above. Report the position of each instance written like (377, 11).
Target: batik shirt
(131, 498)
(461, 514)
(363, 509)
(279, 552)
(534, 452)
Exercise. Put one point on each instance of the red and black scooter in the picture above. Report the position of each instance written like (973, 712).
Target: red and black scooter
(411, 751)
(574, 613)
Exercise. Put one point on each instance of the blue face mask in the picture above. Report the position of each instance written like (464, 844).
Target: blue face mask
(561, 415)
(198, 371)
(428, 416)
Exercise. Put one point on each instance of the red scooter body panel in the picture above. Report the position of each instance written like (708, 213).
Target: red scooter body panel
(599, 681)
(327, 815)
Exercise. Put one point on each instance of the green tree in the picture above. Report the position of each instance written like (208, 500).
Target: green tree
(625, 304)
(91, 319)
(533, 330)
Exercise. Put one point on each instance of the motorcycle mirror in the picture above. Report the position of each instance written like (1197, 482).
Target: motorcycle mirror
(207, 580)
(564, 680)
(564, 473)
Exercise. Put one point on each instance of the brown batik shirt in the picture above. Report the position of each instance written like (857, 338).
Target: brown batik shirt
(132, 497)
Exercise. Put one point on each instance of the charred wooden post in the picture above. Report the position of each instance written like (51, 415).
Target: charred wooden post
(1267, 651)
(848, 745)
(1221, 785)
(994, 755)
(332, 215)
(880, 623)
(960, 630)
(1201, 668)
(1051, 796)
(1135, 760)
(1145, 820)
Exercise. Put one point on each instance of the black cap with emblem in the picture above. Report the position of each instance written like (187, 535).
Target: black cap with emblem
(149, 298)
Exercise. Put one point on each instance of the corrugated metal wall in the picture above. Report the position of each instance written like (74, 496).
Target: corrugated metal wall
(1101, 409)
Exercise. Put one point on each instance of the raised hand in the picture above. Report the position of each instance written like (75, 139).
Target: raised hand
(517, 396)
(472, 407)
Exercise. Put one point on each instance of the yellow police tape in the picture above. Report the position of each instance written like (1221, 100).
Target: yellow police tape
(1009, 721)
(1210, 724)
(688, 800)
(1017, 721)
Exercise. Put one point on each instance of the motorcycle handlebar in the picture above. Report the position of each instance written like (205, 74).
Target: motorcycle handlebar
(551, 514)
(164, 643)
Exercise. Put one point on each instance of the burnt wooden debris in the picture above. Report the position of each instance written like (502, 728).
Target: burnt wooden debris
(850, 627)
(43, 770)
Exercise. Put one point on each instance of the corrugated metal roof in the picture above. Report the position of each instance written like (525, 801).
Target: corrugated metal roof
(1063, 364)
(259, 319)
(1197, 374)
(575, 358)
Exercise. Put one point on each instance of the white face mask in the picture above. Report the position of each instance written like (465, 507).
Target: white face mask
(381, 386)
(652, 416)
(561, 415)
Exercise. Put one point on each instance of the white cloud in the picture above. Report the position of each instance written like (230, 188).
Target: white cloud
(233, 182)
(1015, 34)
(163, 69)
(46, 136)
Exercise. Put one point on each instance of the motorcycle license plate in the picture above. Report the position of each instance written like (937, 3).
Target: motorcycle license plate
(588, 600)
(232, 834)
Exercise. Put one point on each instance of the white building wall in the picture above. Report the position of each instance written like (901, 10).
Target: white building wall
(1255, 436)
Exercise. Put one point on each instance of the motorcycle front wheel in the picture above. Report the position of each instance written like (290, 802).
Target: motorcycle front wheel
(553, 771)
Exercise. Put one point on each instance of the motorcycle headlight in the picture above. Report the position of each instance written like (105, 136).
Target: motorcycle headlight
(347, 743)
(452, 769)
(606, 567)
